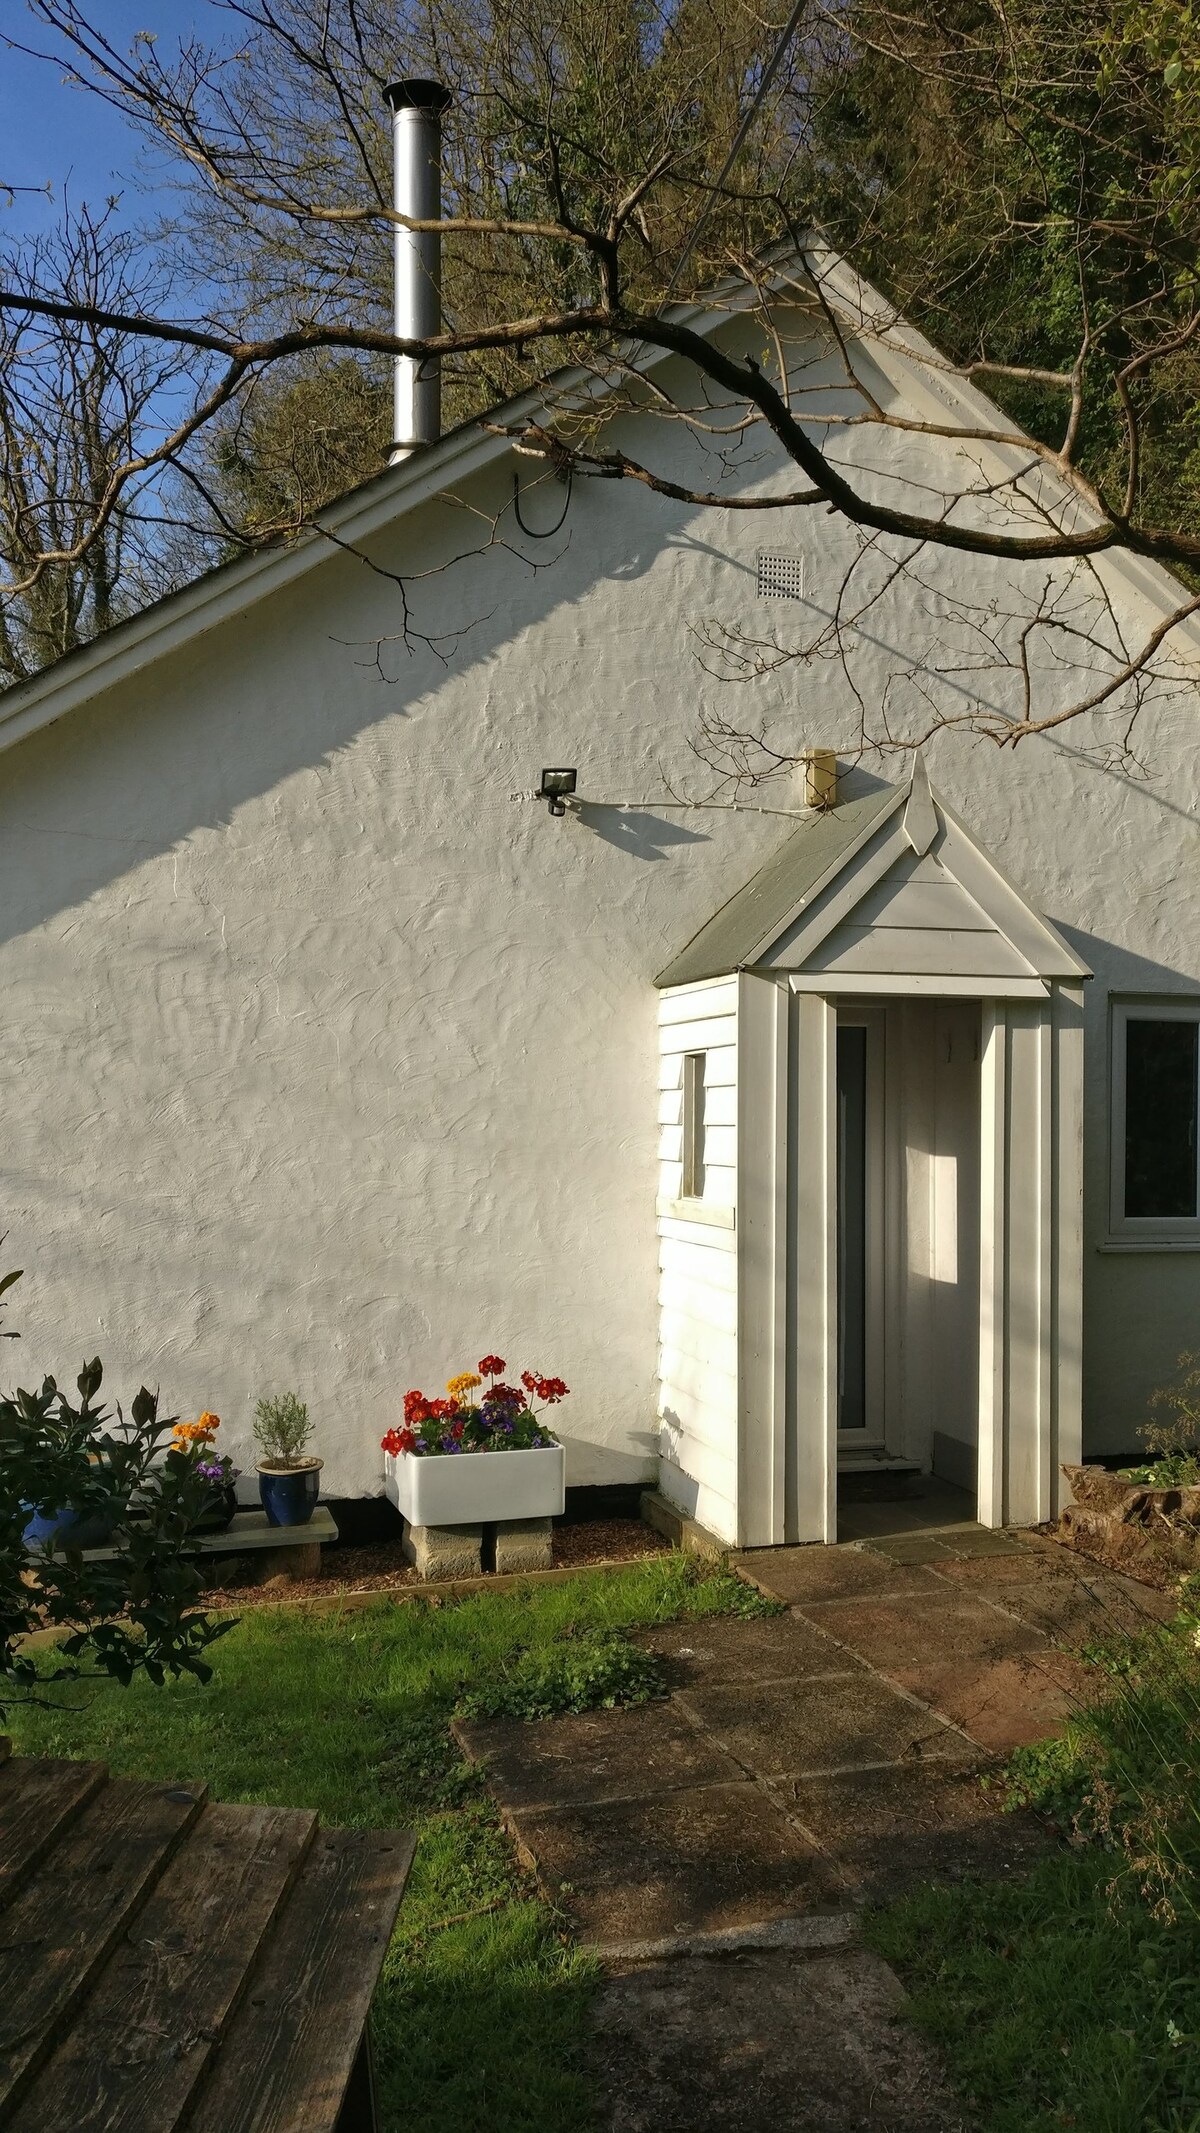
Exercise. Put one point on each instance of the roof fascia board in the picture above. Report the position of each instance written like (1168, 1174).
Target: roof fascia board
(836, 984)
(860, 872)
(1028, 932)
(837, 867)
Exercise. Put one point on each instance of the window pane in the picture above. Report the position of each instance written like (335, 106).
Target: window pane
(1160, 1118)
(693, 1125)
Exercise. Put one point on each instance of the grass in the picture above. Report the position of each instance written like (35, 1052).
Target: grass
(481, 2012)
(1073, 1998)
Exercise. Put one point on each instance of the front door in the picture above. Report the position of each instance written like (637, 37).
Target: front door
(860, 1253)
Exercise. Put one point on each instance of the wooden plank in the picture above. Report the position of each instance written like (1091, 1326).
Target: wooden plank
(938, 906)
(38, 1801)
(899, 950)
(692, 1003)
(63, 1924)
(286, 2059)
(250, 1529)
(151, 2024)
(720, 1066)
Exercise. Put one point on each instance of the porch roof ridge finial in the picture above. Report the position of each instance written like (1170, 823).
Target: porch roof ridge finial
(920, 814)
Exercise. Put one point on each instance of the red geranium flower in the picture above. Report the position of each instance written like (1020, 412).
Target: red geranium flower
(399, 1440)
(416, 1407)
(491, 1366)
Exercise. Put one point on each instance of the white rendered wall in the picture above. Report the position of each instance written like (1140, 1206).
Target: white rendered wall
(327, 1066)
(698, 1265)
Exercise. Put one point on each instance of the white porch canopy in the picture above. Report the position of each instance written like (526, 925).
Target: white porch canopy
(888, 898)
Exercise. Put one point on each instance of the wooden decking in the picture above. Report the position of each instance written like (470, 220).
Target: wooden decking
(169, 1962)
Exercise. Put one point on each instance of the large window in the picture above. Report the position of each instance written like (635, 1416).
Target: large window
(1155, 1192)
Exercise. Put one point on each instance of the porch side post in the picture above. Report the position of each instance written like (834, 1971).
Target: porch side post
(993, 1138)
(1067, 1386)
(1030, 1254)
(813, 1492)
(762, 1260)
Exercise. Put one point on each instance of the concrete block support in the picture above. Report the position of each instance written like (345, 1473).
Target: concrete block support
(524, 1544)
(443, 1551)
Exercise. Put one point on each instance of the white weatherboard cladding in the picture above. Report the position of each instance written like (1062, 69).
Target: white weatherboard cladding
(698, 1262)
(327, 1066)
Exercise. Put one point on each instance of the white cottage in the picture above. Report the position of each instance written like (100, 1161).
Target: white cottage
(793, 1138)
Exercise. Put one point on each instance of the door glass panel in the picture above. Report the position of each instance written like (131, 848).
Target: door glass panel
(852, 1225)
(1160, 1117)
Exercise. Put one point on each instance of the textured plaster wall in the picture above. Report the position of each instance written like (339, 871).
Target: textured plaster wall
(329, 1066)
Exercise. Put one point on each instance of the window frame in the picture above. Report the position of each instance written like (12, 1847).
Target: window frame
(1180, 1231)
(693, 1081)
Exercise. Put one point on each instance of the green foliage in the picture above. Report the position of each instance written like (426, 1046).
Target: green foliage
(134, 1613)
(1173, 1470)
(1023, 181)
(481, 2017)
(1053, 2007)
(598, 1672)
(1074, 1998)
(1173, 1437)
(281, 1428)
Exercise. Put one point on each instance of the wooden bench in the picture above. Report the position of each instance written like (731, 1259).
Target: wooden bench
(166, 1961)
(289, 1551)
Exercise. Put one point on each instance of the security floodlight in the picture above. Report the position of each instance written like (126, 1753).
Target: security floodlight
(556, 786)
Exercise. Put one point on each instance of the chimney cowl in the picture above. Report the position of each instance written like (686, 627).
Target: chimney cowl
(418, 95)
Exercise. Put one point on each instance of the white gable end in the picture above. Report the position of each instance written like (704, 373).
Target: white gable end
(920, 899)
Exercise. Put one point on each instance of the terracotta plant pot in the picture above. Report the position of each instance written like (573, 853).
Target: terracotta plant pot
(289, 1493)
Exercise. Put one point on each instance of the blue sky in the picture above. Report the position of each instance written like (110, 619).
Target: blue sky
(52, 133)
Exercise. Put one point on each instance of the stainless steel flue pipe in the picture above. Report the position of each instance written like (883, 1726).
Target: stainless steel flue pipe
(417, 108)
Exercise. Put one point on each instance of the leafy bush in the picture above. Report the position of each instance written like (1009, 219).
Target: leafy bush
(133, 1612)
(597, 1672)
(281, 1429)
(1174, 1438)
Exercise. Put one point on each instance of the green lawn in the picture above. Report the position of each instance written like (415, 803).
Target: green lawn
(1073, 1999)
(481, 2011)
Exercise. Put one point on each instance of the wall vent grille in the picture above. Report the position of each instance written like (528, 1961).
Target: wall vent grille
(780, 577)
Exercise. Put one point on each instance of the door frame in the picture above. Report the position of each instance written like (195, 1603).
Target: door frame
(877, 1167)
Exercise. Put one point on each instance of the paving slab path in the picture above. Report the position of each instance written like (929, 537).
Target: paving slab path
(714, 1848)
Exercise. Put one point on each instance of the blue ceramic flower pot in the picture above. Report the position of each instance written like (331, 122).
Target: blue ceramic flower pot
(77, 1529)
(289, 1494)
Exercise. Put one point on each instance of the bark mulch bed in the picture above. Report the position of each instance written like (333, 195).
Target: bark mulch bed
(382, 1568)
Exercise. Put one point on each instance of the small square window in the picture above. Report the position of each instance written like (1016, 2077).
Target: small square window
(780, 575)
(692, 1186)
(1155, 1101)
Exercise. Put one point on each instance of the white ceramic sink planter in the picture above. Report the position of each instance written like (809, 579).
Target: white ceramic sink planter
(471, 1488)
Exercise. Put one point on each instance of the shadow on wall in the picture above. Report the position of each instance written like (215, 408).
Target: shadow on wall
(640, 833)
(288, 688)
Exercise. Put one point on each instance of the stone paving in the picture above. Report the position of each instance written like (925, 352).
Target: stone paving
(803, 1765)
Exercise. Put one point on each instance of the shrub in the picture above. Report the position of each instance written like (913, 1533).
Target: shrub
(133, 1612)
(281, 1429)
